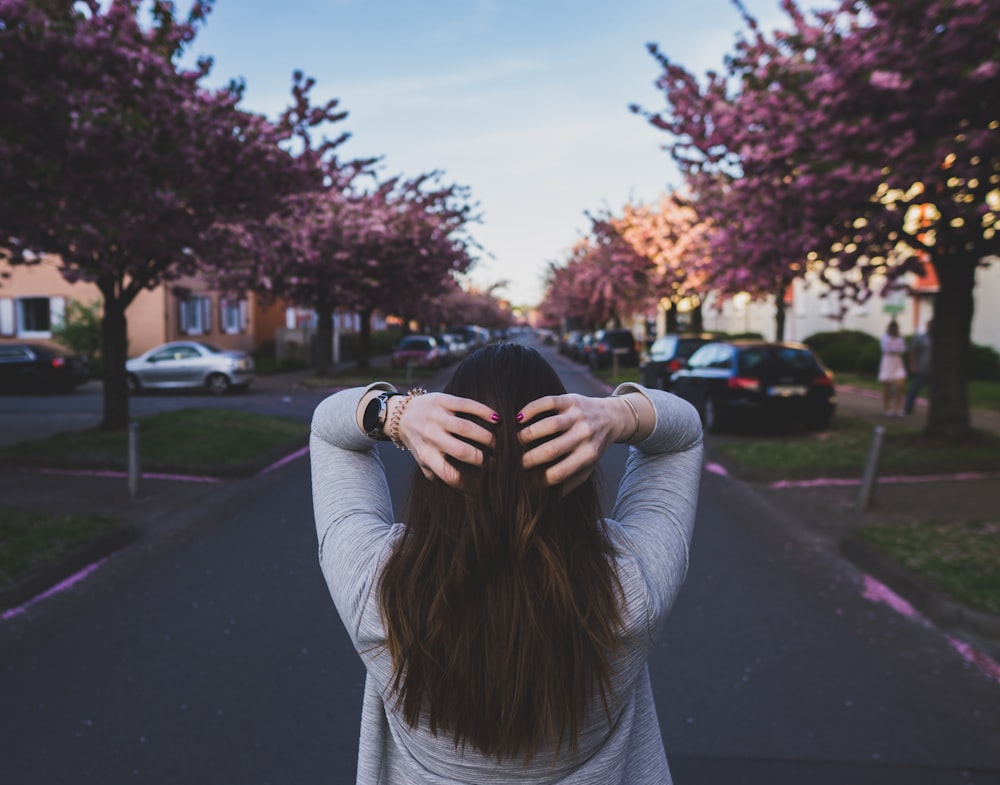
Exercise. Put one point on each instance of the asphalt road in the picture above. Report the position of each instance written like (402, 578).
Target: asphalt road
(224, 662)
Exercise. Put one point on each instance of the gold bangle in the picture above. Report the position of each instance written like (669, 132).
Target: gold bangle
(398, 412)
(635, 414)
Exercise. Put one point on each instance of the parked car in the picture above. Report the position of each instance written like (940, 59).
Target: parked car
(456, 346)
(666, 355)
(422, 351)
(190, 364)
(580, 350)
(608, 344)
(38, 366)
(747, 382)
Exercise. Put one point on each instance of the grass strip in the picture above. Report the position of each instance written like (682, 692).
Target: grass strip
(963, 559)
(190, 440)
(842, 451)
(29, 540)
(982, 395)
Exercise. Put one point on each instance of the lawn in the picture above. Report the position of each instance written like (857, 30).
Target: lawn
(963, 559)
(192, 441)
(843, 449)
(31, 539)
(982, 395)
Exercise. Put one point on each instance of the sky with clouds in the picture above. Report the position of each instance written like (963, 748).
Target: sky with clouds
(523, 101)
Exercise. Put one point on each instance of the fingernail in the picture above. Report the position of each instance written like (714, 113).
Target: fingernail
(495, 417)
(520, 416)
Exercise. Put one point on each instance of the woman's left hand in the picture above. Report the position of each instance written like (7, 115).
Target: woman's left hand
(430, 427)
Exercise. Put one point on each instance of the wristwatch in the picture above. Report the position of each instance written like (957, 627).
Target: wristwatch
(376, 413)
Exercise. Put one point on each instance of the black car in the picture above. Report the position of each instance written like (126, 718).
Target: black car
(36, 367)
(608, 344)
(666, 355)
(756, 382)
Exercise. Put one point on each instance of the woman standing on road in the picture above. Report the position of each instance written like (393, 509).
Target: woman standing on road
(505, 627)
(892, 370)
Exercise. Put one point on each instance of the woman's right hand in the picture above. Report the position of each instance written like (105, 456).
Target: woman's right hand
(579, 429)
(430, 427)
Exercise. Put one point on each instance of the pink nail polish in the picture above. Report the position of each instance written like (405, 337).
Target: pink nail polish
(520, 416)
(495, 417)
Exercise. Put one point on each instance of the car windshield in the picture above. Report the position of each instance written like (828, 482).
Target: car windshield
(686, 346)
(619, 339)
(414, 343)
(765, 359)
(209, 347)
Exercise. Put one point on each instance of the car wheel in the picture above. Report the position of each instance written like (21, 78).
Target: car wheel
(133, 384)
(218, 384)
(713, 416)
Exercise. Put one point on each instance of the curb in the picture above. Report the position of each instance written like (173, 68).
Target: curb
(44, 578)
(946, 613)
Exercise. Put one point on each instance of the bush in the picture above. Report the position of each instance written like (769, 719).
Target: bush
(80, 332)
(984, 363)
(848, 351)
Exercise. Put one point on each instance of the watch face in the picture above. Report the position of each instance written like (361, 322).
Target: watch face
(372, 419)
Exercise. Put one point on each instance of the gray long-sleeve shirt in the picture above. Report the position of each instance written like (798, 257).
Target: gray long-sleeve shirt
(650, 526)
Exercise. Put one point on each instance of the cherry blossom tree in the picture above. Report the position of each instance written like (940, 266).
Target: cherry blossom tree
(673, 238)
(855, 142)
(114, 157)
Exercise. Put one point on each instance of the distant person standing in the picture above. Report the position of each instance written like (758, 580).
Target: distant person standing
(892, 370)
(920, 365)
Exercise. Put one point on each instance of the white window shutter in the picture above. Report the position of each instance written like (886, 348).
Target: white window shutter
(57, 312)
(6, 316)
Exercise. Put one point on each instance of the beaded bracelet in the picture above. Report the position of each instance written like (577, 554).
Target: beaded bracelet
(398, 412)
(635, 414)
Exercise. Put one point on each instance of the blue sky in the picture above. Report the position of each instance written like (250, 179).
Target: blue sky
(524, 101)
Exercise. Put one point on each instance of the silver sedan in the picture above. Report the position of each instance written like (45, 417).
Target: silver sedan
(190, 364)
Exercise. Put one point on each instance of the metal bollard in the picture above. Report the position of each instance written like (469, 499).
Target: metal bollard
(870, 472)
(134, 471)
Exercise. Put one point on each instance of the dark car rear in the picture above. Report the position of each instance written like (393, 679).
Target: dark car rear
(667, 355)
(734, 383)
(36, 367)
(608, 345)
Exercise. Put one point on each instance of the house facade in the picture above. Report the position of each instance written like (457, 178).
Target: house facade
(811, 307)
(33, 301)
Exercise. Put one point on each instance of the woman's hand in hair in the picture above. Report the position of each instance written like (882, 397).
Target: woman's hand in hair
(574, 435)
(430, 427)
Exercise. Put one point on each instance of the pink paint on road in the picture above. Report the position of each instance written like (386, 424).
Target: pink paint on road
(716, 468)
(879, 592)
(975, 657)
(902, 479)
(72, 580)
(286, 459)
(123, 475)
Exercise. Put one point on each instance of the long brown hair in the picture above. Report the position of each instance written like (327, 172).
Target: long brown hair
(501, 600)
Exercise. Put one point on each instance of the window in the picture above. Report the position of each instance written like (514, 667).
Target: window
(31, 317)
(233, 316)
(195, 315)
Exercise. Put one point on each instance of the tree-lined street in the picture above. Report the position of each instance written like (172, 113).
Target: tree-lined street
(223, 661)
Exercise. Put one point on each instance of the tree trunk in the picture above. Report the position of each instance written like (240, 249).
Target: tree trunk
(114, 339)
(365, 339)
(779, 317)
(948, 417)
(697, 319)
(672, 326)
(324, 340)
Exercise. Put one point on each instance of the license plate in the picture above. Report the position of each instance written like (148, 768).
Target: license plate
(786, 390)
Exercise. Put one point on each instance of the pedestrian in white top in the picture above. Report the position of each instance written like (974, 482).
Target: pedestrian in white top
(506, 625)
(892, 370)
